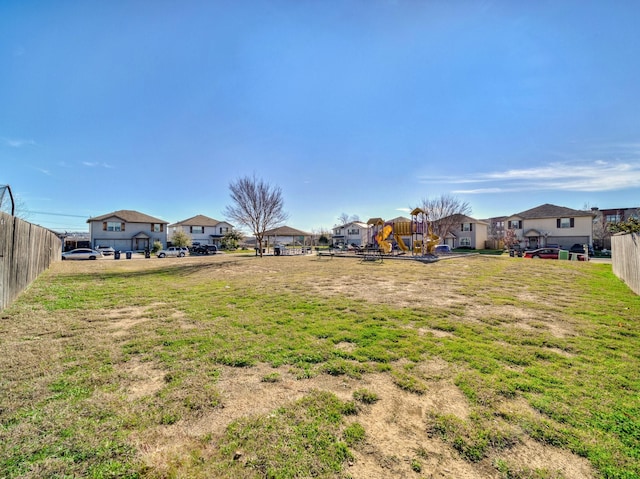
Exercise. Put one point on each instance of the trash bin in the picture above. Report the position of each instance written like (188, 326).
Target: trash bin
(128, 253)
(511, 253)
(563, 254)
(147, 253)
(276, 250)
(116, 255)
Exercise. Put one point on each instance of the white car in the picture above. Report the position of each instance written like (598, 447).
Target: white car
(106, 250)
(82, 253)
(171, 251)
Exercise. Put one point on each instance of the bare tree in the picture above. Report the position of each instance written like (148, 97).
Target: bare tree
(344, 219)
(257, 205)
(12, 205)
(444, 212)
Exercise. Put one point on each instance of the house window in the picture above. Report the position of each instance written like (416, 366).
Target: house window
(157, 227)
(353, 232)
(613, 218)
(565, 222)
(197, 229)
(515, 224)
(114, 226)
(467, 227)
(465, 241)
(224, 230)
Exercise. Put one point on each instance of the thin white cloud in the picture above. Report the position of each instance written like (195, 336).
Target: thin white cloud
(17, 143)
(96, 164)
(591, 176)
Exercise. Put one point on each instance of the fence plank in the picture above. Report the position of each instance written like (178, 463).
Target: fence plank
(625, 259)
(26, 250)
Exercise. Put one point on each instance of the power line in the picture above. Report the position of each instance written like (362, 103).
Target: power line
(55, 214)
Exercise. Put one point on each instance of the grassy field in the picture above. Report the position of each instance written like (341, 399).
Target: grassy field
(236, 366)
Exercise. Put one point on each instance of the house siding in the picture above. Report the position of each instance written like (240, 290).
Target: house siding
(134, 236)
(581, 232)
(210, 234)
(356, 233)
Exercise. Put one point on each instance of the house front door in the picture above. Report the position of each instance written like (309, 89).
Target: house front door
(141, 244)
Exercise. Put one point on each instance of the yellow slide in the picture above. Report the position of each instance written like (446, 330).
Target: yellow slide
(401, 244)
(432, 241)
(381, 237)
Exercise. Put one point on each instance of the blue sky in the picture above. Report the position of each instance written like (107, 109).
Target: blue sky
(364, 107)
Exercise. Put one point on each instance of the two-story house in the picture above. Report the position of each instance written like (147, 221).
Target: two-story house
(202, 229)
(127, 230)
(465, 232)
(355, 232)
(550, 224)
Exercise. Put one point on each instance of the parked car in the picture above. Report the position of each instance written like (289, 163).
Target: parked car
(442, 249)
(82, 253)
(173, 251)
(205, 249)
(106, 250)
(542, 253)
(579, 248)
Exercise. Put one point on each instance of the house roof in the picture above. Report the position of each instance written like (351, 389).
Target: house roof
(286, 231)
(198, 220)
(358, 223)
(551, 211)
(399, 219)
(128, 216)
(469, 219)
(458, 218)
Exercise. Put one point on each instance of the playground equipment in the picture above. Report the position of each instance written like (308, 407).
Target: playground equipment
(428, 240)
(422, 238)
(381, 238)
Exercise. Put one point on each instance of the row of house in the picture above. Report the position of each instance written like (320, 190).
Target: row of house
(132, 230)
(537, 227)
(534, 228)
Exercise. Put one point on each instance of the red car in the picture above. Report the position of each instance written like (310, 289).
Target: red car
(542, 253)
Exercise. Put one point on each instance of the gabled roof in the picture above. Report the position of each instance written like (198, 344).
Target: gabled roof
(286, 231)
(129, 216)
(469, 219)
(358, 223)
(458, 218)
(198, 220)
(399, 219)
(551, 211)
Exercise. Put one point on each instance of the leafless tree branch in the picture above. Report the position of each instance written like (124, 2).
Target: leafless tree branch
(256, 205)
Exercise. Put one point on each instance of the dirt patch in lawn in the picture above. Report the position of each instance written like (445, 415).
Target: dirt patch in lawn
(395, 425)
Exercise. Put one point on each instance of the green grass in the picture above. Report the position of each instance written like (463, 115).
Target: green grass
(560, 336)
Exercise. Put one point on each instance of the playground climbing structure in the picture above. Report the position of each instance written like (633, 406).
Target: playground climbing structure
(422, 241)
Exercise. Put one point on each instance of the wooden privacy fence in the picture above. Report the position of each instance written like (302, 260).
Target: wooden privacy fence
(26, 250)
(625, 259)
